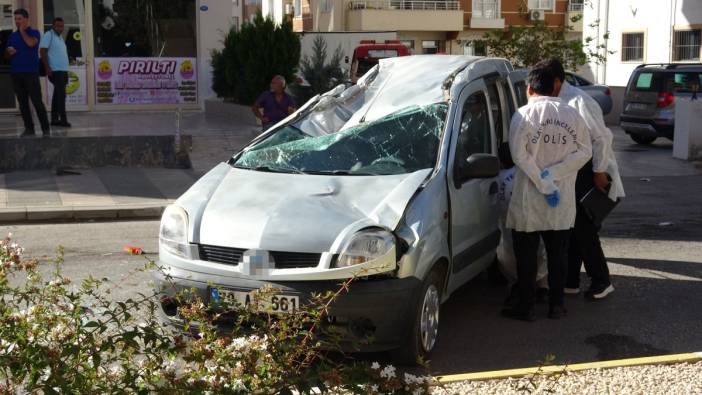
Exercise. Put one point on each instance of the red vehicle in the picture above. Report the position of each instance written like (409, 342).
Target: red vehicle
(369, 53)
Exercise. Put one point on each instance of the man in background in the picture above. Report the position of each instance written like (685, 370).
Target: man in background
(22, 50)
(54, 55)
(274, 105)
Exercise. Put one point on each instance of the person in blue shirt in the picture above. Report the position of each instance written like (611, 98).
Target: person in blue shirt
(23, 52)
(54, 55)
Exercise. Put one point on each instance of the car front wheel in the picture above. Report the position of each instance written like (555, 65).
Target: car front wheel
(425, 326)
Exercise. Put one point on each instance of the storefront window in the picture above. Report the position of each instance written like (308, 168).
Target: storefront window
(144, 28)
(251, 8)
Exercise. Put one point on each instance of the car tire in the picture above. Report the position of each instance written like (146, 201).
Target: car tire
(643, 140)
(424, 330)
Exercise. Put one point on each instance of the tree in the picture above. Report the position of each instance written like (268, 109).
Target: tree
(525, 46)
(243, 68)
(322, 76)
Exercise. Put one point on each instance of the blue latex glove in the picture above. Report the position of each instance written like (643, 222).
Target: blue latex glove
(545, 174)
(553, 198)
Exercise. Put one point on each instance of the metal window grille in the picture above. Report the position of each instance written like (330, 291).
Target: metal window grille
(576, 5)
(632, 47)
(487, 9)
(686, 45)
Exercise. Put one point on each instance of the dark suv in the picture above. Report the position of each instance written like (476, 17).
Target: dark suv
(649, 101)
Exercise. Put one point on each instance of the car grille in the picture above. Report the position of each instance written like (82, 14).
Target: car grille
(283, 260)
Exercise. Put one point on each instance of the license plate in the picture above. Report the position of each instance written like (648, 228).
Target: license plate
(267, 302)
(638, 106)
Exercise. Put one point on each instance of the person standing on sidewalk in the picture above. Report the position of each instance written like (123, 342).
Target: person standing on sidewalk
(549, 144)
(585, 243)
(54, 55)
(22, 50)
(274, 105)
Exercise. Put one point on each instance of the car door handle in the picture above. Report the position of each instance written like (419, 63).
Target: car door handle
(493, 188)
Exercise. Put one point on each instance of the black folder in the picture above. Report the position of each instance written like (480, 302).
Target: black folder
(597, 205)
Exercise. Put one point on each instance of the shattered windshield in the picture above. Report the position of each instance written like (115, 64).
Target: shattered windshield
(402, 142)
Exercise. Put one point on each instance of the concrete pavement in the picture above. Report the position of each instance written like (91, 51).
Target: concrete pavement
(116, 192)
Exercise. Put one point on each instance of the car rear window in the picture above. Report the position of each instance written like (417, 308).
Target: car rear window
(670, 81)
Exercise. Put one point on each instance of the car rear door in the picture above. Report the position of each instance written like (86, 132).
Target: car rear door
(642, 92)
(474, 209)
(518, 87)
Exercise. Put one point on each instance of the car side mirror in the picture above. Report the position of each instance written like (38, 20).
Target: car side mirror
(477, 166)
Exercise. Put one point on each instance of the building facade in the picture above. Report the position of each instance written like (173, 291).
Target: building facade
(130, 54)
(432, 26)
(642, 31)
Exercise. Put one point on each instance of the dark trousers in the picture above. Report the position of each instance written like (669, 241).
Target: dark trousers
(585, 246)
(526, 245)
(27, 88)
(58, 101)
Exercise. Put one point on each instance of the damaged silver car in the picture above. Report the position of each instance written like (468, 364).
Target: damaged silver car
(391, 180)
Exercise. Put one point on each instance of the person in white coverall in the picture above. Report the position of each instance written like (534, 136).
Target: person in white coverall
(602, 173)
(549, 143)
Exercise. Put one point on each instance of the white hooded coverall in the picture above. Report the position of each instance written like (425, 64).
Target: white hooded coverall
(546, 134)
(603, 160)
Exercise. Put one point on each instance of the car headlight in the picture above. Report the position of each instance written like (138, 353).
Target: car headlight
(173, 235)
(365, 246)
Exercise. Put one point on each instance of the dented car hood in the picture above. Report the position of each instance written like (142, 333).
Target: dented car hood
(292, 212)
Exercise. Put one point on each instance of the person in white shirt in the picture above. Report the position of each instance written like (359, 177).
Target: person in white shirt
(585, 243)
(549, 143)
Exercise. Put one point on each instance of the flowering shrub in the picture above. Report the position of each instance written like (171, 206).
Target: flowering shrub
(60, 337)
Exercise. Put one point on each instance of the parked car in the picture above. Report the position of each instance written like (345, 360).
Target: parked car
(392, 180)
(649, 100)
(601, 93)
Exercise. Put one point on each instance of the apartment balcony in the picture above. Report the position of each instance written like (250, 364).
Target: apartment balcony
(575, 9)
(486, 15)
(414, 15)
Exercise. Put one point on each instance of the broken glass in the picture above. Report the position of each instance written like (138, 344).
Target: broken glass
(402, 142)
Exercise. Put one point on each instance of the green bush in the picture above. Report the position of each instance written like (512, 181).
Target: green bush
(251, 56)
(56, 337)
(322, 76)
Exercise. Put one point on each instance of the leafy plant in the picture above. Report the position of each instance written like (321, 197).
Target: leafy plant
(526, 45)
(251, 56)
(322, 76)
(57, 337)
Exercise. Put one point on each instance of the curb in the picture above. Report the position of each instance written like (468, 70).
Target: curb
(617, 363)
(82, 213)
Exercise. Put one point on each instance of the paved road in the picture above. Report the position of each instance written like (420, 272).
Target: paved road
(653, 242)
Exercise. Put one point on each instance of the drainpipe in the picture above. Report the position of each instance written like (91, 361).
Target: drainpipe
(606, 41)
(673, 8)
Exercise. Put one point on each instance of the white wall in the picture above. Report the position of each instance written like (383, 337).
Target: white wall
(213, 24)
(656, 18)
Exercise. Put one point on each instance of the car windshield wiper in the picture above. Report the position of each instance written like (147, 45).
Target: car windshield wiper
(339, 173)
(267, 169)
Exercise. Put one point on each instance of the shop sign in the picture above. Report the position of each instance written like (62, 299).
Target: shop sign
(145, 81)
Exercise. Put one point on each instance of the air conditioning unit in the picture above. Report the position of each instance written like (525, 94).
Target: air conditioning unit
(536, 15)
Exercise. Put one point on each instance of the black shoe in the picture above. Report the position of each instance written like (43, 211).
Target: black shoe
(597, 292)
(56, 123)
(557, 312)
(28, 133)
(519, 313)
(513, 298)
(65, 124)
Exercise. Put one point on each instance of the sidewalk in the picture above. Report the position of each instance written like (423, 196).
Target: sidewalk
(116, 192)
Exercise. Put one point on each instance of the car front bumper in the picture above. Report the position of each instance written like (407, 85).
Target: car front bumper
(378, 307)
